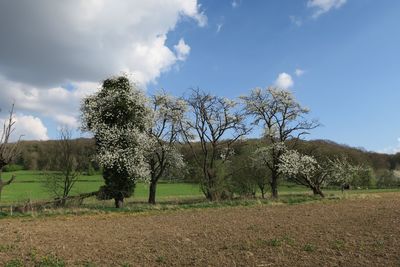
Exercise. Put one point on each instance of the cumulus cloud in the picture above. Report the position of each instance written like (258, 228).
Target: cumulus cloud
(284, 81)
(182, 50)
(60, 104)
(322, 6)
(53, 55)
(299, 72)
(27, 127)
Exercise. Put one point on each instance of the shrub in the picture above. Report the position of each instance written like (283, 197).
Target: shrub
(13, 168)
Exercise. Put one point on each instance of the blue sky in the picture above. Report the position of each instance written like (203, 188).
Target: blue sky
(350, 57)
(346, 53)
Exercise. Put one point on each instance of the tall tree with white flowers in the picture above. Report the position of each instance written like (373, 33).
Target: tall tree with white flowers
(216, 124)
(119, 117)
(164, 156)
(282, 119)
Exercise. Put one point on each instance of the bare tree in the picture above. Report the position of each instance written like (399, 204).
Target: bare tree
(60, 183)
(8, 151)
(216, 124)
(163, 155)
(282, 118)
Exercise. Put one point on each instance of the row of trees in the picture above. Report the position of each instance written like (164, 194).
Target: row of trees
(137, 138)
(140, 138)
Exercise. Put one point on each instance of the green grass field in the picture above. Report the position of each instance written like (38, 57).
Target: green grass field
(28, 186)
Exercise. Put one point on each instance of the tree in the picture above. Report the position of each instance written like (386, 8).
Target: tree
(304, 170)
(315, 174)
(119, 117)
(216, 124)
(8, 151)
(247, 173)
(60, 183)
(282, 119)
(163, 155)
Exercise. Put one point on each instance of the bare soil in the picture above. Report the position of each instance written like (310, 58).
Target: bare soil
(352, 232)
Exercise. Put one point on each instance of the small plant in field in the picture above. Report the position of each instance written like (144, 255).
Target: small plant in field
(338, 244)
(276, 242)
(14, 263)
(309, 247)
(88, 264)
(160, 259)
(288, 240)
(5, 248)
(379, 243)
(50, 261)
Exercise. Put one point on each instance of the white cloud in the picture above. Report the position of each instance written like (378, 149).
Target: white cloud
(27, 127)
(219, 27)
(296, 20)
(392, 150)
(59, 104)
(235, 3)
(284, 81)
(322, 6)
(299, 72)
(79, 43)
(182, 50)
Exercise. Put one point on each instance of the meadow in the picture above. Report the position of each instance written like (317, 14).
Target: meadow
(29, 186)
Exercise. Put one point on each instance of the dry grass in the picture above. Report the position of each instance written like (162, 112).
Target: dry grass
(362, 231)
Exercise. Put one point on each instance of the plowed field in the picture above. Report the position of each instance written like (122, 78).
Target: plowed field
(352, 232)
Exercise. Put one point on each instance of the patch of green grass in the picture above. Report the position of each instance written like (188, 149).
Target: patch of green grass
(379, 243)
(28, 185)
(5, 248)
(275, 242)
(338, 244)
(309, 247)
(160, 259)
(14, 263)
(288, 240)
(49, 261)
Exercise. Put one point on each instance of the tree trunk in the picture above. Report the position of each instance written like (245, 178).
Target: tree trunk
(152, 192)
(119, 202)
(3, 184)
(274, 185)
(262, 192)
(318, 191)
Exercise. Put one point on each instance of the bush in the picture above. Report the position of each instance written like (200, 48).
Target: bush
(364, 177)
(13, 168)
(387, 179)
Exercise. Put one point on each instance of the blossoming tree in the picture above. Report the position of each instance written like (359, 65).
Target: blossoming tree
(315, 174)
(216, 124)
(282, 119)
(119, 117)
(163, 155)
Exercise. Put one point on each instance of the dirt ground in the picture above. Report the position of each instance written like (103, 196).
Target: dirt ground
(356, 232)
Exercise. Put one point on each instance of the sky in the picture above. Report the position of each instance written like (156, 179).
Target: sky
(341, 58)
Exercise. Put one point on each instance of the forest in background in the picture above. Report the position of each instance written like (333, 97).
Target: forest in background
(42, 155)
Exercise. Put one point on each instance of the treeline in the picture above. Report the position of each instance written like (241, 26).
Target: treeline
(41, 155)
